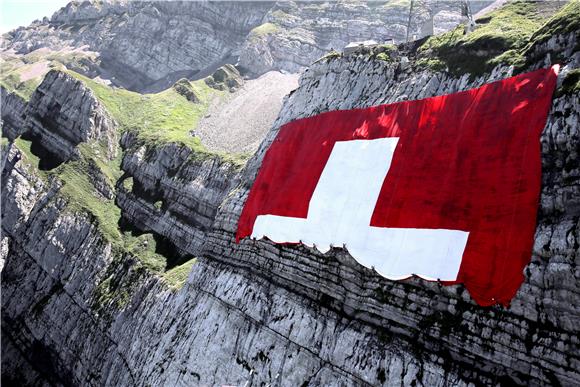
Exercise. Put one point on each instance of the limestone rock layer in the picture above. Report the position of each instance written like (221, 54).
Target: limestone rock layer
(80, 308)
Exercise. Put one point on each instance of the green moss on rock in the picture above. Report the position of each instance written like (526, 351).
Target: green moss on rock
(570, 84)
(499, 37)
(565, 21)
(177, 276)
(157, 118)
(263, 30)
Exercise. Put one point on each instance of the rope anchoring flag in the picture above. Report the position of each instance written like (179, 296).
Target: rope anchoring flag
(445, 188)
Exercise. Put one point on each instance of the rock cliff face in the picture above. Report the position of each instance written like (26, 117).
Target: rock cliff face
(13, 107)
(294, 34)
(142, 43)
(62, 113)
(149, 45)
(78, 309)
(188, 191)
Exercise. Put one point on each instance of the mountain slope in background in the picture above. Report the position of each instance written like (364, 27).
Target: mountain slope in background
(146, 46)
(119, 209)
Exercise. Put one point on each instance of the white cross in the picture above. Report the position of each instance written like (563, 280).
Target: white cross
(340, 210)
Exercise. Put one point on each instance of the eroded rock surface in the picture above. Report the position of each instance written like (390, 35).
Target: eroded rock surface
(294, 34)
(187, 188)
(13, 113)
(61, 114)
(148, 45)
(76, 311)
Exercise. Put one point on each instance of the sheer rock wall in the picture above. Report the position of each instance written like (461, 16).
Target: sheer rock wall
(268, 313)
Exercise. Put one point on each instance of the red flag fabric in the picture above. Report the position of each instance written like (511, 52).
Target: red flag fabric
(445, 188)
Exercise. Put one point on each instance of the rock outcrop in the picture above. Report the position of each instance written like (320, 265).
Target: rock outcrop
(61, 114)
(225, 78)
(13, 113)
(294, 34)
(188, 188)
(79, 311)
(145, 43)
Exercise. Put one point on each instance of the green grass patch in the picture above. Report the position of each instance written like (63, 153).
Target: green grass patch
(177, 276)
(144, 247)
(331, 55)
(570, 84)
(384, 52)
(24, 89)
(12, 67)
(162, 118)
(383, 56)
(30, 158)
(82, 196)
(499, 37)
(434, 64)
(565, 21)
(156, 118)
(78, 188)
(97, 152)
(128, 184)
(263, 30)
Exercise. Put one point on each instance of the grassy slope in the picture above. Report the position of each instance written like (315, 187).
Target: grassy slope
(263, 30)
(11, 82)
(164, 117)
(83, 197)
(177, 276)
(566, 20)
(13, 67)
(503, 36)
(157, 118)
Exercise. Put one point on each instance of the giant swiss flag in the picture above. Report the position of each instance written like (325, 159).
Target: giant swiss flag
(445, 188)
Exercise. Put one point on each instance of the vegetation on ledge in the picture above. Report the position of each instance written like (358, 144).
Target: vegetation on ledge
(263, 30)
(566, 20)
(332, 54)
(499, 37)
(166, 117)
(14, 84)
(78, 186)
(22, 74)
(570, 84)
(177, 276)
(384, 52)
(159, 118)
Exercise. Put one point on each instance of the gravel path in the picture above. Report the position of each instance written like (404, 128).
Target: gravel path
(239, 122)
